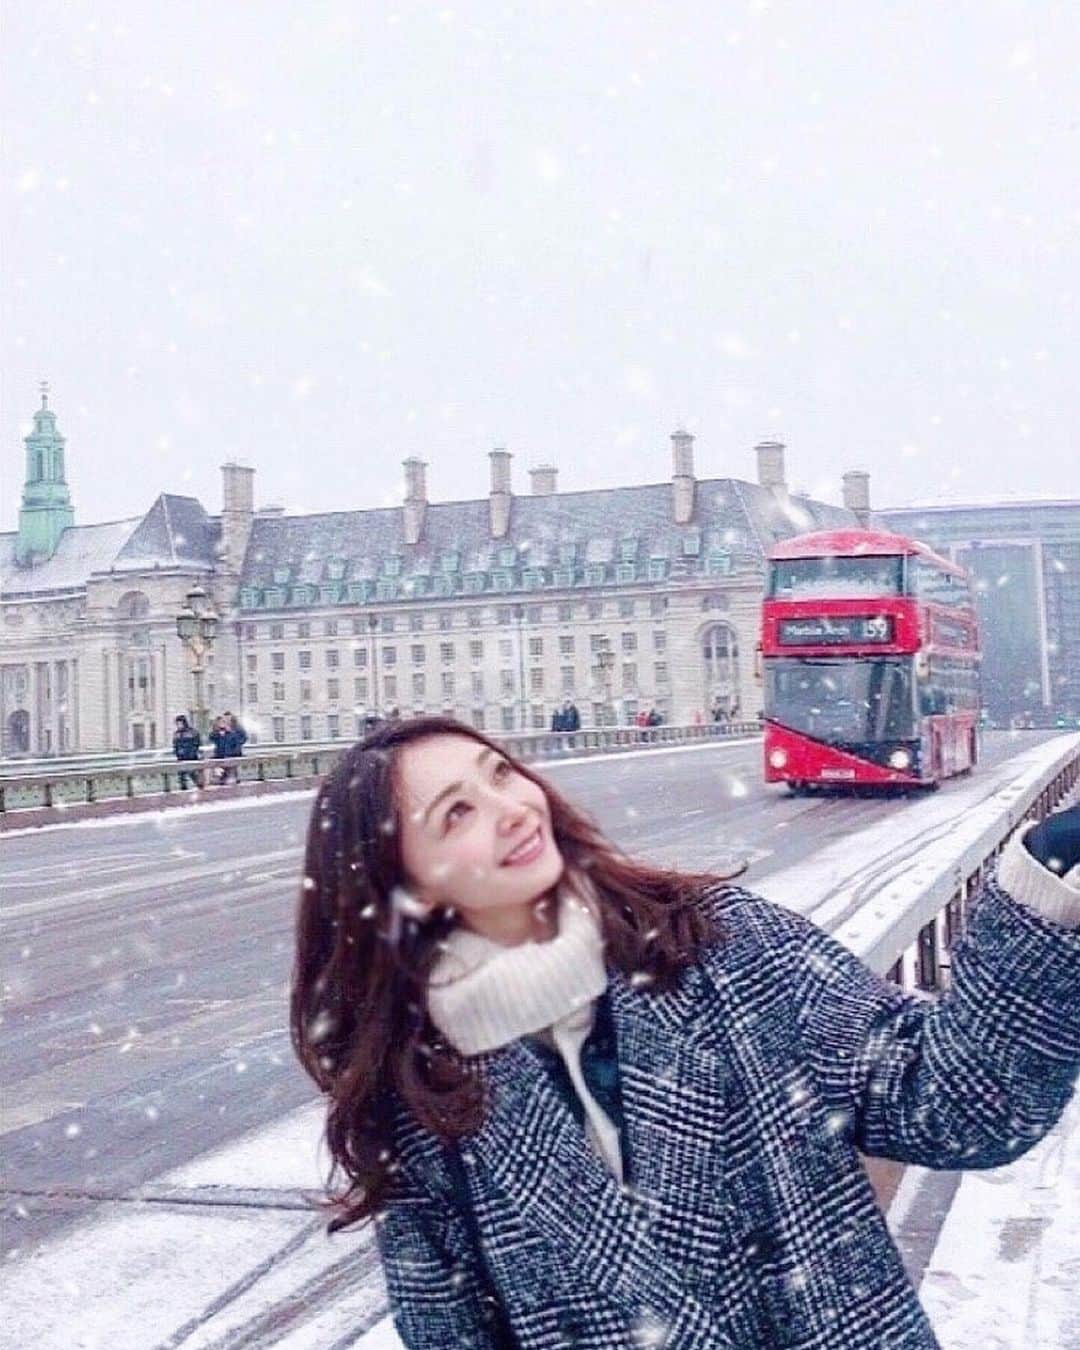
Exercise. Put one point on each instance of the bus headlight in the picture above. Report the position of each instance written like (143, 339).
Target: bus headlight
(777, 758)
(900, 759)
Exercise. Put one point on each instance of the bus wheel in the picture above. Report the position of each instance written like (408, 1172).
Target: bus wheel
(796, 789)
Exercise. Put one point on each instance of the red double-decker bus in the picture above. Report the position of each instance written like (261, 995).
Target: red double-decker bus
(870, 657)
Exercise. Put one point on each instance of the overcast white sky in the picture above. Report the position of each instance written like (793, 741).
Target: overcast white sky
(321, 237)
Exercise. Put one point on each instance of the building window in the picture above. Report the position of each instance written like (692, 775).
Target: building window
(504, 614)
(333, 690)
(303, 629)
(250, 631)
(535, 614)
(691, 544)
(595, 574)
(359, 657)
(333, 659)
(277, 660)
(478, 718)
(446, 621)
(305, 660)
(506, 649)
(566, 646)
(387, 623)
(476, 649)
(358, 626)
(330, 628)
(625, 572)
(657, 569)
(629, 675)
(416, 623)
(360, 688)
(562, 576)
(626, 608)
(252, 663)
(657, 605)
(506, 718)
(566, 613)
(660, 672)
(596, 609)
(536, 717)
(390, 688)
(446, 652)
(478, 684)
(253, 693)
(392, 566)
(305, 727)
(389, 656)
(278, 725)
(447, 685)
(629, 642)
(305, 691)
(474, 618)
(597, 642)
(279, 692)
(536, 646)
(506, 681)
(659, 641)
(417, 653)
(536, 680)
(567, 676)
(333, 726)
(419, 684)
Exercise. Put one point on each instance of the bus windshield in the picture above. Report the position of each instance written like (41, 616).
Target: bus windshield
(835, 578)
(844, 699)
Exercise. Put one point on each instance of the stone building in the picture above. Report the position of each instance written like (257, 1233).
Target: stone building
(494, 610)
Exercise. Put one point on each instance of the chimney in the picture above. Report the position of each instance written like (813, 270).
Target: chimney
(682, 480)
(544, 478)
(770, 466)
(237, 513)
(500, 492)
(415, 504)
(857, 495)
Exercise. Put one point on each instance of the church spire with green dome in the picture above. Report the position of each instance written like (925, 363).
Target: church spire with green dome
(46, 502)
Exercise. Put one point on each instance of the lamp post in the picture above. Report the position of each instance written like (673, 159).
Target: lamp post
(196, 626)
(605, 663)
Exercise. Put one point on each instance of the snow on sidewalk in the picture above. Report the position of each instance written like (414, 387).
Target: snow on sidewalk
(1005, 1272)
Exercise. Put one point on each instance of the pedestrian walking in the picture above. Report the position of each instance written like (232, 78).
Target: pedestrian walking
(235, 740)
(219, 738)
(186, 744)
(593, 1102)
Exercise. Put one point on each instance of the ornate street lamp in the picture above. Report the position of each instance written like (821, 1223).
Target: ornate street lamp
(196, 627)
(605, 664)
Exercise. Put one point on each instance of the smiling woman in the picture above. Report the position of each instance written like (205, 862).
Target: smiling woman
(591, 1102)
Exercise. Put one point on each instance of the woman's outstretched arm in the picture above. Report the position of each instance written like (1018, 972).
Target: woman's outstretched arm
(973, 1078)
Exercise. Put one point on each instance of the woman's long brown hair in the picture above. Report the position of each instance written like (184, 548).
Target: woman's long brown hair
(359, 1018)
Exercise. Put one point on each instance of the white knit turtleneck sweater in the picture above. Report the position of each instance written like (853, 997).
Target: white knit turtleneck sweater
(483, 996)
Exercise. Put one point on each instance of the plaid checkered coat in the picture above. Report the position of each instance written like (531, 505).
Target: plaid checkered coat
(747, 1220)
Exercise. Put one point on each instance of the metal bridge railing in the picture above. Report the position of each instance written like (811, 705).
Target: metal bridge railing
(57, 785)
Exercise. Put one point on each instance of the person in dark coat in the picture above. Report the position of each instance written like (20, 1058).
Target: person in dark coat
(186, 743)
(591, 1102)
(220, 738)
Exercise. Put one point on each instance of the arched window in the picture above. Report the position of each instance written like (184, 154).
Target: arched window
(720, 653)
(133, 605)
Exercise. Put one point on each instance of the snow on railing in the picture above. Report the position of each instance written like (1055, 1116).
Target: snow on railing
(907, 927)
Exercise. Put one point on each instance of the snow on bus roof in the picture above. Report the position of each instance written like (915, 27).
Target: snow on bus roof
(851, 544)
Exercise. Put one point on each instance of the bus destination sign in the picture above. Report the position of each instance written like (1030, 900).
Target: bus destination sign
(822, 631)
